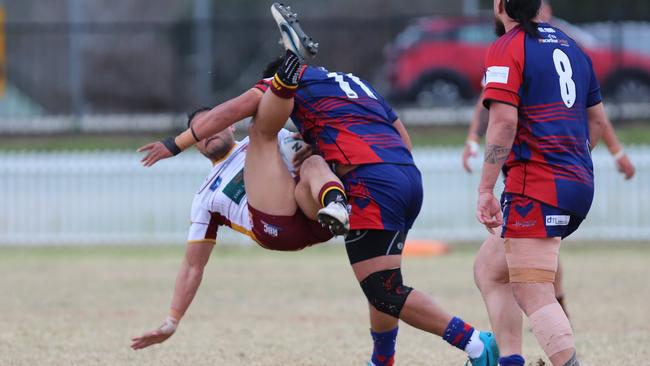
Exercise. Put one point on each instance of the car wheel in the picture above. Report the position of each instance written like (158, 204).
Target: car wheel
(439, 92)
(631, 90)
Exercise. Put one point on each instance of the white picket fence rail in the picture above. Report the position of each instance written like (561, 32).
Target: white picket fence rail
(106, 197)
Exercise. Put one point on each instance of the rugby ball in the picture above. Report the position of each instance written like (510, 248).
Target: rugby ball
(289, 146)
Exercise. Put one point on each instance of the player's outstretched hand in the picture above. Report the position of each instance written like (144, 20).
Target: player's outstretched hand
(625, 166)
(470, 151)
(155, 151)
(154, 337)
(488, 211)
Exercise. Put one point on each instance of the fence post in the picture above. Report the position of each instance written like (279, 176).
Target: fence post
(471, 7)
(202, 42)
(3, 55)
(75, 66)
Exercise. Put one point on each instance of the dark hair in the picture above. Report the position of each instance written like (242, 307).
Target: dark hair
(524, 12)
(272, 68)
(191, 115)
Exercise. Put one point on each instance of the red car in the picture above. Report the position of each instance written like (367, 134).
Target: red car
(439, 61)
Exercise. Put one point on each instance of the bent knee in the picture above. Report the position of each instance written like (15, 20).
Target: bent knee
(257, 132)
(386, 292)
(312, 163)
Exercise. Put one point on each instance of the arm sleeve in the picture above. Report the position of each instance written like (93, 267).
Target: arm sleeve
(203, 226)
(594, 97)
(504, 65)
(390, 113)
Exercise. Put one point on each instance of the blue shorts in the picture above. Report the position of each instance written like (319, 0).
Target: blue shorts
(383, 196)
(524, 217)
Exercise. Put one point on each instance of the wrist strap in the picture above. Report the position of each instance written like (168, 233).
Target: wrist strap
(473, 146)
(196, 138)
(170, 144)
(169, 326)
(619, 154)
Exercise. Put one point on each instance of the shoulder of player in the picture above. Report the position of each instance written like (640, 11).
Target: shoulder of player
(507, 50)
(506, 41)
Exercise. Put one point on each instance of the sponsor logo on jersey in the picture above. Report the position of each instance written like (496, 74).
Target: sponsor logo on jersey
(529, 223)
(216, 184)
(546, 30)
(235, 189)
(271, 230)
(497, 74)
(557, 220)
(554, 40)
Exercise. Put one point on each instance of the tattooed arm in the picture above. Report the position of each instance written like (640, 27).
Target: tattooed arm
(500, 135)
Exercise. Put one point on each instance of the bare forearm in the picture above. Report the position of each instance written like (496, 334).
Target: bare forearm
(610, 139)
(220, 117)
(476, 125)
(188, 281)
(499, 138)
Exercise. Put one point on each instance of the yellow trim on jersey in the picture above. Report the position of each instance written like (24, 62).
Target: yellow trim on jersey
(203, 241)
(322, 197)
(215, 162)
(277, 80)
(242, 230)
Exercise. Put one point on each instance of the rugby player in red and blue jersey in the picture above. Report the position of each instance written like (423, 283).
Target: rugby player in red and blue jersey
(361, 137)
(545, 117)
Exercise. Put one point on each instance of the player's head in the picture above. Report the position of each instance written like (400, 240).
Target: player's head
(272, 67)
(216, 146)
(523, 12)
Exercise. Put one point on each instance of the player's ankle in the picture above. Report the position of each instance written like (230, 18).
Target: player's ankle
(285, 80)
(475, 346)
(512, 360)
(384, 347)
(332, 192)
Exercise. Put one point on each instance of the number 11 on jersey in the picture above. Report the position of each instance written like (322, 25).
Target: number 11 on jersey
(345, 86)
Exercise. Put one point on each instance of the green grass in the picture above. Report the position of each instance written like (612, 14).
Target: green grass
(81, 305)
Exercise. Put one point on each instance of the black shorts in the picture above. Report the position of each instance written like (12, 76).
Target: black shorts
(367, 244)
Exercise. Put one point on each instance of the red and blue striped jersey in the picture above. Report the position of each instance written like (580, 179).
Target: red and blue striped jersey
(345, 119)
(552, 83)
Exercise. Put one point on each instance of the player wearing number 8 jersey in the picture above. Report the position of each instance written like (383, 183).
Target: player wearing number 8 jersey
(551, 81)
(545, 116)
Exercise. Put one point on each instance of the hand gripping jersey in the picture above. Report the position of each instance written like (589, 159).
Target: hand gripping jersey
(221, 200)
(552, 83)
(346, 120)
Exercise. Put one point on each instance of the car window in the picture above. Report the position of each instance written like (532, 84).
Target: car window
(410, 36)
(476, 33)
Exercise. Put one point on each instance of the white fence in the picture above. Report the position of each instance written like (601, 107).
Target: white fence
(107, 197)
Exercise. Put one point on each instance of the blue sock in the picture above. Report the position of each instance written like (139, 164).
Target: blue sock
(458, 333)
(512, 360)
(383, 353)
